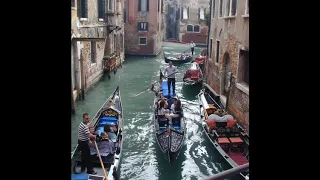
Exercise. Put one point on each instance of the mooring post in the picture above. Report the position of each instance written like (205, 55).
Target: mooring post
(72, 100)
(82, 78)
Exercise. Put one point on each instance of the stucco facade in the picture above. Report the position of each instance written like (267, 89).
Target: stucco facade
(194, 21)
(143, 27)
(97, 32)
(228, 56)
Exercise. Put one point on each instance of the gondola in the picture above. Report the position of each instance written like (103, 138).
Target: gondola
(176, 60)
(193, 75)
(109, 113)
(170, 144)
(226, 135)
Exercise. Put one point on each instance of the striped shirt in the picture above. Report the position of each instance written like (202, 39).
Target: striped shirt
(83, 132)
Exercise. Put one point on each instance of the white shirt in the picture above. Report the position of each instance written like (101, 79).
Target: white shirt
(172, 109)
(161, 111)
(171, 70)
(192, 45)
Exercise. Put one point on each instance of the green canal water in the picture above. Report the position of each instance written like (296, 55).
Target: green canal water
(142, 159)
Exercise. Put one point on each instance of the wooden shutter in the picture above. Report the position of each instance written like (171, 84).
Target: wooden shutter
(139, 5)
(84, 8)
(147, 5)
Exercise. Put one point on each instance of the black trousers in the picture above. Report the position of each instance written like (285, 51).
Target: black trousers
(86, 161)
(192, 50)
(173, 82)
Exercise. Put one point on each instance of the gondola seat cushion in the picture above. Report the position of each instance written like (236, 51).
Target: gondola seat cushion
(79, 176)
(107, 120)
(231, 123)
(162, 128)
(235, 140)
(163, 119)
(176, 127)
(223, 140)
(211, 124)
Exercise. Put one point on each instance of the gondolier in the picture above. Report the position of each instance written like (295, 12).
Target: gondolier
(192, 45)
(172, 77)
(84, 136)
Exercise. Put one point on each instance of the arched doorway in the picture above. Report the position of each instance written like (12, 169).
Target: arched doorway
(226, 74)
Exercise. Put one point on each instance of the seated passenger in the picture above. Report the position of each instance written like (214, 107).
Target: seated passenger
(182, 57)
(175, 110)
(92, 147)
(110, 130)
(163, 100)
(106, 147)
(161, 110)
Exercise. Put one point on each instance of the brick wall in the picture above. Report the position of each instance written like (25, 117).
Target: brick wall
(200, 38)
(132, 35)
(92, 70)
(239, 101)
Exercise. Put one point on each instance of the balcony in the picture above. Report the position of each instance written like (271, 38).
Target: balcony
(110, 13)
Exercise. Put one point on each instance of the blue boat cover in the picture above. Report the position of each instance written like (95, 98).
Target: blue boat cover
(165, 92)
(107, 120)
(79, 177)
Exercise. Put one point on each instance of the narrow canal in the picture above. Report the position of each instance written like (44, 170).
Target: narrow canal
(142, 159)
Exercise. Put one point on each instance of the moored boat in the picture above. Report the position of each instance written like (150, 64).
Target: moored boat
(200, 59)
(193, 75)
(172, 143)
(110, 113)
(226, 135)
(177, 60)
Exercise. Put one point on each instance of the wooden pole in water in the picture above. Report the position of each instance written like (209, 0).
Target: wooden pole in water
(82, 78)
(72, 100)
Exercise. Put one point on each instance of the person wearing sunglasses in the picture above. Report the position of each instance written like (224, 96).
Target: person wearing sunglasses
(84, 136)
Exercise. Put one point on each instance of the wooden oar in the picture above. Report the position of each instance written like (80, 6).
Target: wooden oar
(144, 89)
(103, 169)
(150, 86)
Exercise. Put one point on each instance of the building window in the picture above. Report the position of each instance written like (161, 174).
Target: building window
(143, 5)
(142, 41)
(189, 28)
(82, 8)
(243, 71)
(93, 52)
(201, 14)
(159, 1)
(196, 28)
(218, 51)
(73, 3)
(142, 26)
(101, 8)
(213, 10)
(220, 8)
(110, 5)
(246, 12)
(231, 8)
(185, 13)
(210, 48)
(124, 16)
